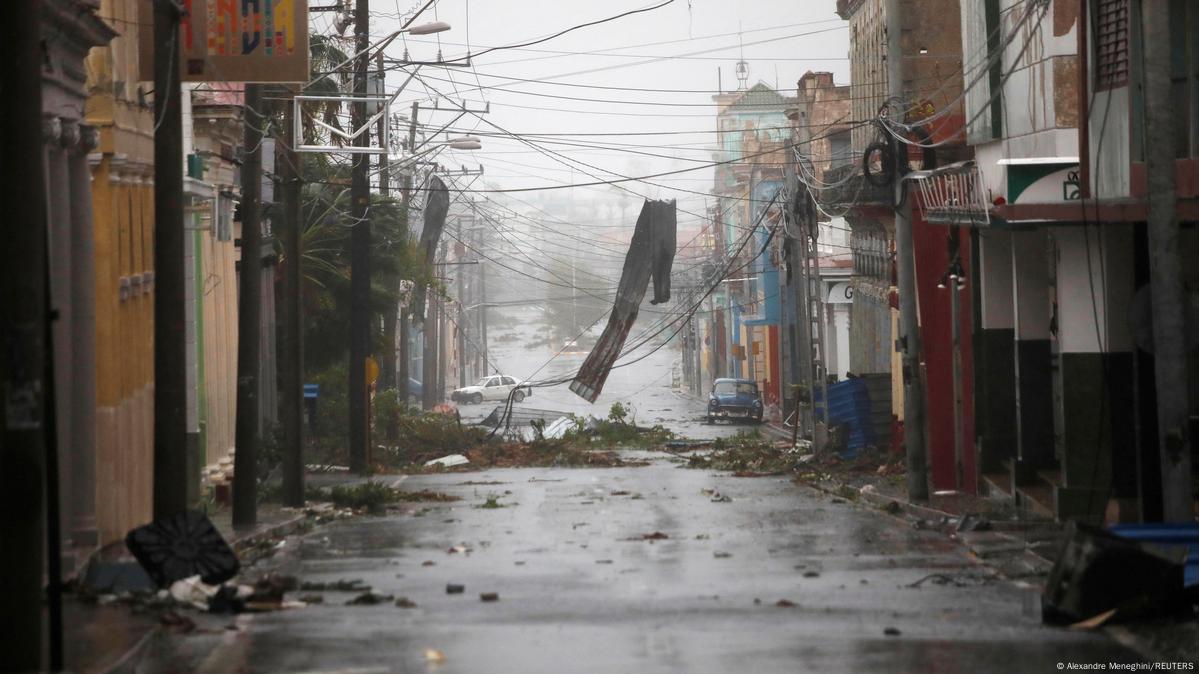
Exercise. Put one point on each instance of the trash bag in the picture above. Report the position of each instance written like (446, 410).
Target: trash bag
(183, 546)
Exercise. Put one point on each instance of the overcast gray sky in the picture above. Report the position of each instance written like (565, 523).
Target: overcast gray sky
(678, 47)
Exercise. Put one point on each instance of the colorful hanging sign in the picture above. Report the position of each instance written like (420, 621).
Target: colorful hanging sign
(234, 41)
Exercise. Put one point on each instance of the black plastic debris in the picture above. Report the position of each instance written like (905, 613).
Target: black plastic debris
(973, 522)
(1098, 571)
(651, 255)
(183, 546)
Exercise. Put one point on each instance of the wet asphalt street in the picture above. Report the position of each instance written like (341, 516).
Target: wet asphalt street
(580, 590)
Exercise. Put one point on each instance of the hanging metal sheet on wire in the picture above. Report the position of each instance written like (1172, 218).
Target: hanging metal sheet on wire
(651, 255)
(437, 205)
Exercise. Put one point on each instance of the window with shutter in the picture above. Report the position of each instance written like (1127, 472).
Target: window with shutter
(1111, 44)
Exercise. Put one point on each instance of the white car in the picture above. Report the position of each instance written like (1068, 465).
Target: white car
(495, 387)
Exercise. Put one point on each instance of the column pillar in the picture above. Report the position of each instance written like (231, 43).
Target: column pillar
(58, 135)
(995, 354)
(82, 498)
(1033, 362)
(1096, 409)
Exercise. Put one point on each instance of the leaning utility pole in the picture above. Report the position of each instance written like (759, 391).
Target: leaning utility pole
(1169, 305)
(249, 314)
(405, 356)
(23, 324)
(909, 323)
(170, 341)
(291, 344)
(360, 250)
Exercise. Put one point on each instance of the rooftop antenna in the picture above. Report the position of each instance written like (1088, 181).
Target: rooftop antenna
(742, 66)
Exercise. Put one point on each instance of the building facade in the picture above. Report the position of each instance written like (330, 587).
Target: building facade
(122, 169)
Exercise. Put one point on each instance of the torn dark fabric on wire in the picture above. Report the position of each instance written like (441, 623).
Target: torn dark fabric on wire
(437, 205)
(651, 255)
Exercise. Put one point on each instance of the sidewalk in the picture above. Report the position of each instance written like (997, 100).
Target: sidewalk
(99, 638)
(1019, 547)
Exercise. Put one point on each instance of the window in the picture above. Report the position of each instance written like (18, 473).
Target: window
(1111, 44)
(494, 381)
(509, 381)
(839, 149)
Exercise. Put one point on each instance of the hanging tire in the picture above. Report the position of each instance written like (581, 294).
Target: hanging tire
(518, 396)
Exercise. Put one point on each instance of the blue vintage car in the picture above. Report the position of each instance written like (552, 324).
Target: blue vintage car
(734, 400)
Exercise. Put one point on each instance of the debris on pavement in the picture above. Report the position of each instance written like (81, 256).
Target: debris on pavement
(717, 497)
(192, 591)
(891, 631)
(1095, 622)
(655, 536)
(458, 550)
(273, 586)
(811, 574)
(428, 562)
(785, 603)
(1098, 571)
(449, 461)
(182, 546)
(370, 599)
(434, 656)
(355, 585)
(454, 588)
(722, 555)
(405, 602)
(973, 522)
(312, 598)
(489, 596)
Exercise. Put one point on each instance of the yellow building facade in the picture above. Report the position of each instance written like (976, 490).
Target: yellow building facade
(123, 214)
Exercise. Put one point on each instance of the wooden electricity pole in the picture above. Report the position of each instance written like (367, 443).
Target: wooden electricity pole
(170, 307)
(1169, 305)
(909, 322)
(249, 315)
(291, 344)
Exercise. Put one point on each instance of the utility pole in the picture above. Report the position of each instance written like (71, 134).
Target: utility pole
(909, 323)
(430, 353)
(1169, 305)
(23, 324)
(387, 366)
(249, 314)
(170, 343)
(405, 328)
(461, 327)
(360, 251)
(291, 346)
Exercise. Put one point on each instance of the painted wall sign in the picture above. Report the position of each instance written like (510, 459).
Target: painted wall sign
(1043, 183)
(234, 41)
(840, 293)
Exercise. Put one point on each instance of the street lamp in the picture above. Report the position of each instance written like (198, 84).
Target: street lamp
(427, 28)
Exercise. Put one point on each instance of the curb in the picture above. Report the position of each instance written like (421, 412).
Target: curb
(882, 502)
(127, 663)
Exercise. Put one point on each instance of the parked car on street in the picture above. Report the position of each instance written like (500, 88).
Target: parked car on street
(495, 387)
(734, 399)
